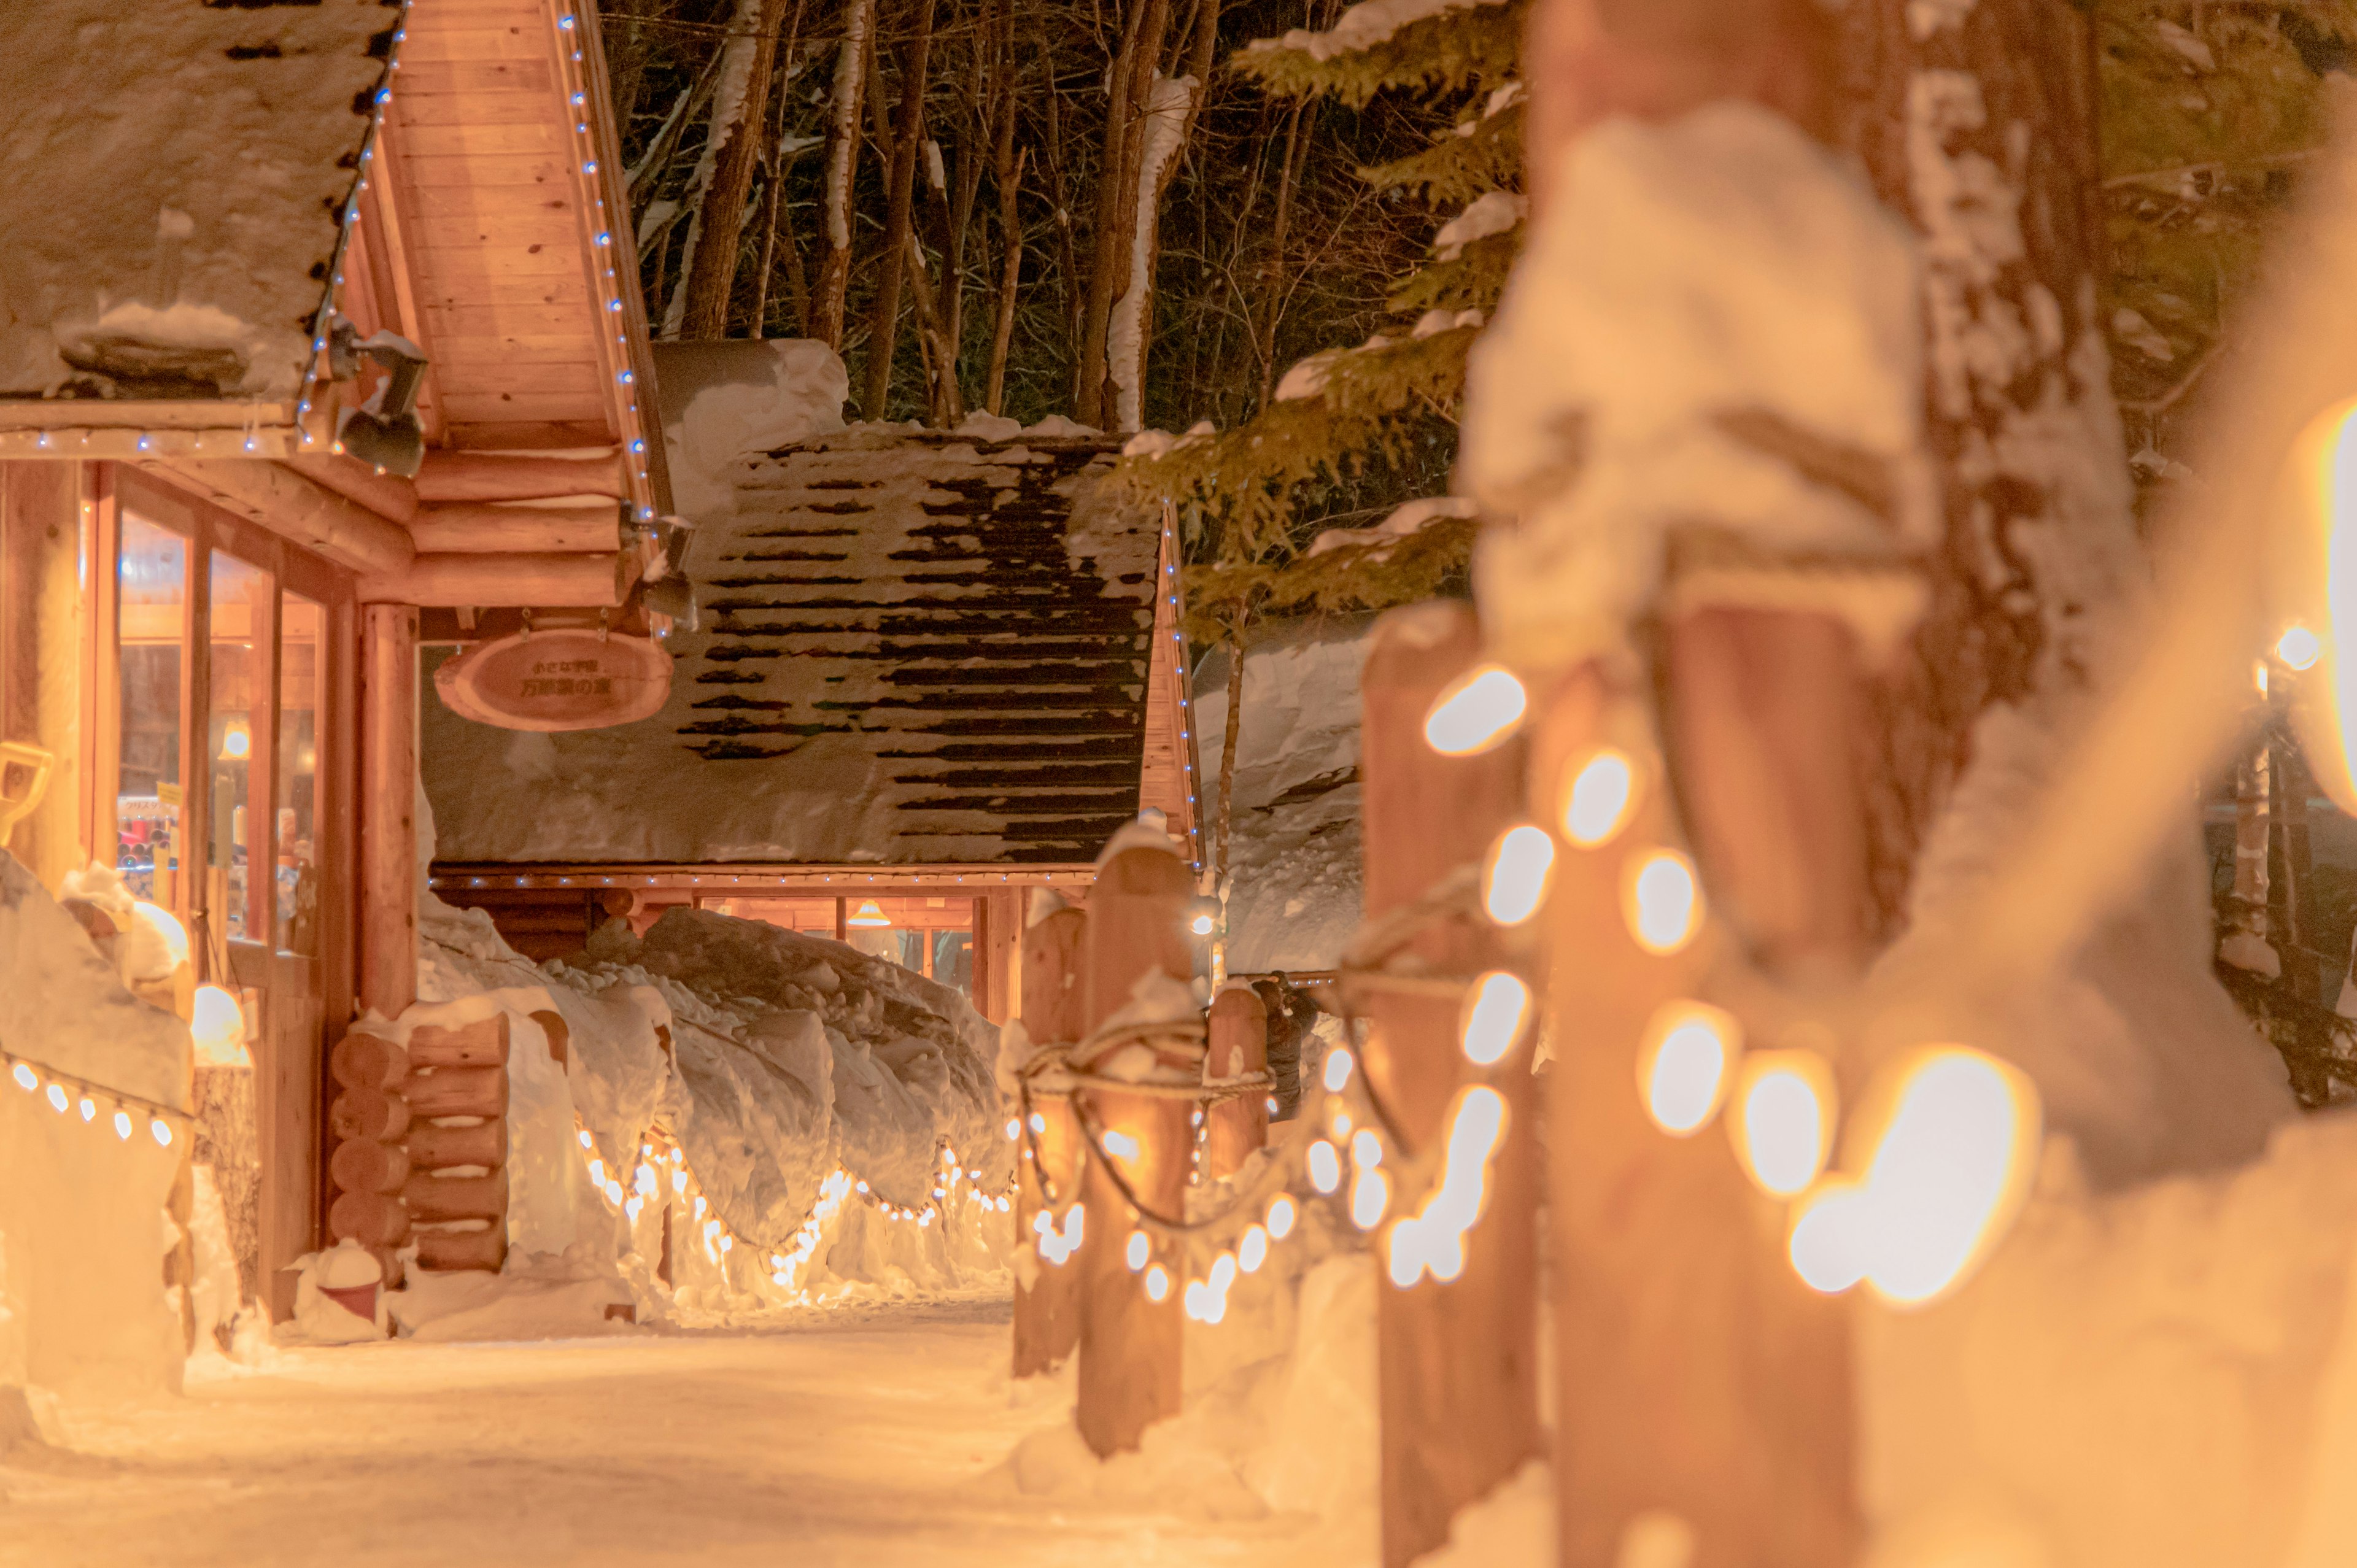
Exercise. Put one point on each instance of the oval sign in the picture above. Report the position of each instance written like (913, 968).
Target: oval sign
(556, 680)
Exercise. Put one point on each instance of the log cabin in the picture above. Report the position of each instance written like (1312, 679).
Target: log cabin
(311, 318)
(935, 670)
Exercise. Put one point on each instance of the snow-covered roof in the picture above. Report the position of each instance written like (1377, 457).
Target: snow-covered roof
(173, 176)
(917, 647)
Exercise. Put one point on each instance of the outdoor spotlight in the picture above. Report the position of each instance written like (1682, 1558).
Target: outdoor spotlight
(384, 432)
(1203, 915)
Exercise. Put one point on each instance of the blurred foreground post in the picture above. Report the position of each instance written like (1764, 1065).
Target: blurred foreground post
(1129, 1341)
(1458, 1362)
(1698, 1376)
(1048, 1310)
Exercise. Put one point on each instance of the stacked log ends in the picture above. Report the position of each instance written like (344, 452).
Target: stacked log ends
(368, 1119)
(456, 1181)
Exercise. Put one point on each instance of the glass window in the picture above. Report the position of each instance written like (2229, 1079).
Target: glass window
(152, 618)
(240, 711)
(302, 635)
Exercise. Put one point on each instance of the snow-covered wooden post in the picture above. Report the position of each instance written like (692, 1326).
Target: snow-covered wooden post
(1047, 1309)
(1458, 1362)
(1238, 1035)
(1130, 1335)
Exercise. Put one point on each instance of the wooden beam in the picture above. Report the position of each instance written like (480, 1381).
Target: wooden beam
(388, 901)
(388, 495)
(488, 477)
(1457, 1361)
(576, 582)
(482, 528)
(294, 506)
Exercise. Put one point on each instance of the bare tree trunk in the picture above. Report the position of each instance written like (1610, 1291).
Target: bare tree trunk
(773, 197)
(1131, 329)
(884, 318)
(1288, 174)
(841, 163)
(2244, 943)
(2002, 92)
(1224, 823)
(736, 154)
(1129, 89)
(945, 397)
(1010, 281)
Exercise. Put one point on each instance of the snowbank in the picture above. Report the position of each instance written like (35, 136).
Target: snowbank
(722, 401)
(82, 1225)
(1294, 860)
(809, 1091)
(2161, 1378)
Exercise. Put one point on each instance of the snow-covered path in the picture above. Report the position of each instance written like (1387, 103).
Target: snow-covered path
(865, 1437)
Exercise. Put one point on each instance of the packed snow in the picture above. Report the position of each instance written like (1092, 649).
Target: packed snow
(1626, 364)
(1365, 25)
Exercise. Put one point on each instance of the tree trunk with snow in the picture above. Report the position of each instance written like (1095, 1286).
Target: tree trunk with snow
(884, 318)
(1223, 825)
(1118, 233)
(740, 109)
(1977, 121)
(842, 161)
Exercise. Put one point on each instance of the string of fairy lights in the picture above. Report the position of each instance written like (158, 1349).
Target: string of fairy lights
(661, 1178)
(71, 1096)
(1945, 1139)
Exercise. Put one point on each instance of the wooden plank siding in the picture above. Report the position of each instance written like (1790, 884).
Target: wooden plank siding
(498, 251)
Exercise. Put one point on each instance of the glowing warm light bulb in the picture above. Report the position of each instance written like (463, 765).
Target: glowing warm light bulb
(1157, 1283)
(1338, 1070)
(1432, 1240)
(1681, 1065)
(2299, 648)
(1831, 1239)
(165, 925)
(1480, 708)
(27, 1079)
(1137, 1251)
(122, 1124)
(1602, 791)
(1200, 925)
(1252, 1249)
(1121, 1145)
(1281, 1215)
(1782, 1119)
(1665, 903)
(89, 1108)
(161, 1132)
(1495, 1012)
(1371, 1194)
(1949, 1172)
(217, 1024)
(1014, 1129)
(1514, 882)
(57, 1098)
(1324, 1167)
(1366, 1149)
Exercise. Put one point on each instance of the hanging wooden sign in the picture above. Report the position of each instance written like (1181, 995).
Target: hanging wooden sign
(556, 680)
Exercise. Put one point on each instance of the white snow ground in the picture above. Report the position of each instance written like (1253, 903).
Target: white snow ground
(850, 1436)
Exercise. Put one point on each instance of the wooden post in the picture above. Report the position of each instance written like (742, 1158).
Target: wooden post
(1457, 1362)
(1234, 1128)
(1048, 1311)
(388, 936)
(368, 1165)
(1697, 1374)
(1129, 1343)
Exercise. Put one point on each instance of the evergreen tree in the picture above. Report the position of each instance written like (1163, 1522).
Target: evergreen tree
(1350, 432)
